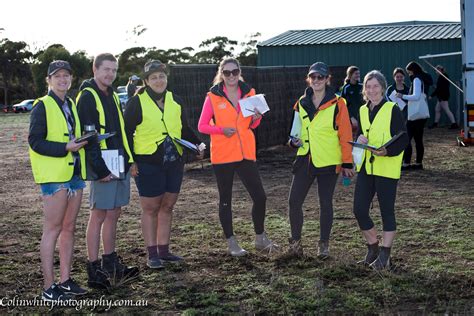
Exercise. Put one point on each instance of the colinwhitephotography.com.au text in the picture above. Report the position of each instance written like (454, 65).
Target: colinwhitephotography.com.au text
(81, 304)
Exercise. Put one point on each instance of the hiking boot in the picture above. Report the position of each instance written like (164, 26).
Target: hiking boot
(234, 248)
(454, 126)
(383, 259)
(155, 263)
(295, 248)
(113, 265)
(434, 125)
(323, 249)
(70, 287)
(54, 293)
(372, 254)
(170, 258)
(263, 244)
(96, 277)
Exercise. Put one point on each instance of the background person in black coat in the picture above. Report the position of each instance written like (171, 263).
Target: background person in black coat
(442, 93)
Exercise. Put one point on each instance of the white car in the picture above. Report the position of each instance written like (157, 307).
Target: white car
(23, 106)
(123, 97)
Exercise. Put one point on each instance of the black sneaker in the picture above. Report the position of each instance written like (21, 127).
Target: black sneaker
(54, 293)
(70, 287)
(170, 258)
(406, 166)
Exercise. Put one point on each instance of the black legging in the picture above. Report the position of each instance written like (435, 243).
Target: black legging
(302, 181)
(366, 187)
(415, 130)
(248, 174)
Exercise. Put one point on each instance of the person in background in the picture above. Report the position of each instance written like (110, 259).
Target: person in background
(154, 119)
(323, 153)
(351, 91)
(442, 93)
(233, 150)
(99, 106)
(399, 86)
(132, 85)
(58, 165)
(415, 128)
(379, 121)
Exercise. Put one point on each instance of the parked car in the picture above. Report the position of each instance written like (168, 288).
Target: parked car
(121, 89)
(23, 106)
(5, 107)
(123, 97)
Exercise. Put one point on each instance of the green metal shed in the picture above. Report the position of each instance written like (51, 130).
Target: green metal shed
(381, 46)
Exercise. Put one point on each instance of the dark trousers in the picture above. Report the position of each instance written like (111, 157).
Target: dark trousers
(366, 187)
(415, 130)
(248, 173)
(302, 181)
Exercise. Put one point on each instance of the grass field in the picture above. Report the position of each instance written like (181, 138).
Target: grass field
(433, 254)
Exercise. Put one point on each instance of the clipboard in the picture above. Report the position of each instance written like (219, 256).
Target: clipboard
(387, 144)
(115, 162)
(250, 104)
(86, 137)
(187, 145)
(91, 135)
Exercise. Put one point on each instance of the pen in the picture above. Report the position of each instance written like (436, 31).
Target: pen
(250, 110)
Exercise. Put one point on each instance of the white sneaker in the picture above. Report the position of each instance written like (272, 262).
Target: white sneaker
(263, 244)
(234, 248)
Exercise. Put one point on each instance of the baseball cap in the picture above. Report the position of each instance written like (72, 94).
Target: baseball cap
(134, 77)
(319, 67)
(57, 65)
(154, 66)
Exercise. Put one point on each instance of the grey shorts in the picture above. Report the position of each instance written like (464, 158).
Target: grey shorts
(110, 195)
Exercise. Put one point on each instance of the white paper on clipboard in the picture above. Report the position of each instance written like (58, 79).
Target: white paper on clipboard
(296, 126)
(248, 105)
(114, 162)
(401, 104)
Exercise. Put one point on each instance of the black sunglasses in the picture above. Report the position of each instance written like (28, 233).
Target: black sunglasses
(317, 77)
(234, 72)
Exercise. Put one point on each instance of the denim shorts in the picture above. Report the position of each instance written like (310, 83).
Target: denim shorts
(76, 183)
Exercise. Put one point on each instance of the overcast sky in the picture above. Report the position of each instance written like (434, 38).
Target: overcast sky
(106, 26)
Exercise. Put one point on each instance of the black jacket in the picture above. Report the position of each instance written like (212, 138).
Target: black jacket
(442, 89)
(89, 115)
(133, 117)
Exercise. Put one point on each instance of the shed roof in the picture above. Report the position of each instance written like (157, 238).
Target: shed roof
(400, 31)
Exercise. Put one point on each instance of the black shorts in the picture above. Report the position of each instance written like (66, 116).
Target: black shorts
(155, 179)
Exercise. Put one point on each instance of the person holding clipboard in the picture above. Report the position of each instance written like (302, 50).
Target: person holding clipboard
(99, 108)
(58, 164)
(233, 151)
(155, 125)
(321, 131)
(380, 167)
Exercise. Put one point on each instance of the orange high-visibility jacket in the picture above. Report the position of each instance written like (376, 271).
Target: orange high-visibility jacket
(239, 146)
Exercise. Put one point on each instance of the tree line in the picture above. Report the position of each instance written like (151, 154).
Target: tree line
(22, 72)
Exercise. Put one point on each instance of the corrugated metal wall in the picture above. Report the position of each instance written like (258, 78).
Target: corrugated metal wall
(383, 56)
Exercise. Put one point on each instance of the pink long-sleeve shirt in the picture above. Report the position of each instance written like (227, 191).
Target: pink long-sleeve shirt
(207, 113)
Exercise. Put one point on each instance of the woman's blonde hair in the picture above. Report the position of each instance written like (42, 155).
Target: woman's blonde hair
(218, 78)
(377, 75)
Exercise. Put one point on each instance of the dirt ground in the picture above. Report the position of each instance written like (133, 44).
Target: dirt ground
(433, 254)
